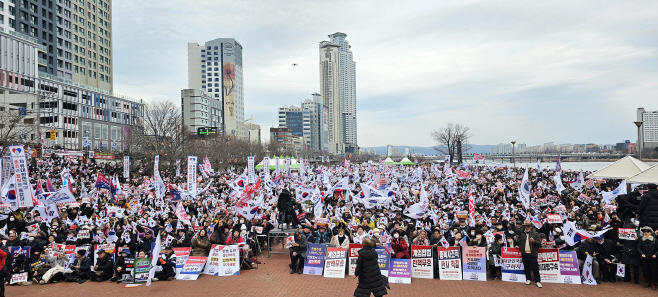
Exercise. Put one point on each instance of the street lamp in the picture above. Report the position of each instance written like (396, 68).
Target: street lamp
(638, 145)
(513, 158)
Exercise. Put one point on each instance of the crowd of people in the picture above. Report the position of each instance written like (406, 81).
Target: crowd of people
(370, 203)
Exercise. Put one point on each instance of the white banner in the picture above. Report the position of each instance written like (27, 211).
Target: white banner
(22, 185)
(251, 172)
(191, 175)
(276, 164)
(126, 166)
(159, 186)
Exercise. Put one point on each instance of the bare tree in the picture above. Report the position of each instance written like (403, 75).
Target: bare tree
(15, 128)
(452, 140)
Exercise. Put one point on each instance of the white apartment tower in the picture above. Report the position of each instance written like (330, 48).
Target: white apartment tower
(649, 130)
(216, 68)
(338, 89)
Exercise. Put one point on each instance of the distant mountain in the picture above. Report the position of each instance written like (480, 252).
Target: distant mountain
(382, 150)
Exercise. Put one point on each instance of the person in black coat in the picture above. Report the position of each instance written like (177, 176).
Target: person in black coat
(168, 263)
(605, 249)
(367, 270)
(648, 209)
(647, 247)
(285, 204)
(103, 269)
(81, 265)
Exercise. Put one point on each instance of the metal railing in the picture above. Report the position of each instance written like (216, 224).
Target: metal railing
(43, 61)
(24, 36)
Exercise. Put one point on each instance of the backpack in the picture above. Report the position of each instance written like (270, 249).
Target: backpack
(246, 264)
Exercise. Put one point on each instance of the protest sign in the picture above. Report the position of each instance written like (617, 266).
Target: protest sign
(18, 278)
(400, 271)
(554, 219)
(627, 233)
(322, 222)
(569, 273)
(422, 264)
(549, 265)
(192, 268)
(384, 260)
(449, 263)
(512, 270)
(37, 264)
(475, 263)
(334, 263)
(127, 278)
(223, 260)
(314, 258)
(141, 270)
(181, 257)
(462, 214)
(17, 250)
(353, 255)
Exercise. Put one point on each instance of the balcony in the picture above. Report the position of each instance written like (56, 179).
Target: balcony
(43, 61)
(24, 36)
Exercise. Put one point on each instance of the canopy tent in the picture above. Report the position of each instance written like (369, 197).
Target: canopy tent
(293, 164)
(406, 161)
(648, 176)
(622, 169)
(389, 161)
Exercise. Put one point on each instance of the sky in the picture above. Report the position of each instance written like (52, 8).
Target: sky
(528, 71)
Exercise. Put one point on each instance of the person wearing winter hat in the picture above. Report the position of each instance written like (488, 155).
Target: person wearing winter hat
(648, 248)
(79, 269)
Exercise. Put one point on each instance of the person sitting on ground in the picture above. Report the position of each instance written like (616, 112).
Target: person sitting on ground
(201, 244)
(55, 265)
(103, 269)
(168, 263)
(123, 265)
(79, 269)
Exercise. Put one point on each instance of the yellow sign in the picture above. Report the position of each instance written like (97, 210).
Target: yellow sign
(52, 134)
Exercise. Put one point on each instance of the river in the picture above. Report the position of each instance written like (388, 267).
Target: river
(576, 166)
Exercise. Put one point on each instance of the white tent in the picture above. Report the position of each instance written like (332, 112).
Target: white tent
(648, 176)
(622, 169)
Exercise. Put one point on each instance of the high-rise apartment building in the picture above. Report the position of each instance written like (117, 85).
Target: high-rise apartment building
(649, 130)
(74, 37)
(338, 89)
(316, 137)
(216, 67)
(293, 118)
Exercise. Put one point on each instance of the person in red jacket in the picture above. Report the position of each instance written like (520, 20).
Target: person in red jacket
(399, 245)
(3, 269)
(235, 238)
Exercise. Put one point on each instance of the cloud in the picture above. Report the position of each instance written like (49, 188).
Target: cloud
(566, 72)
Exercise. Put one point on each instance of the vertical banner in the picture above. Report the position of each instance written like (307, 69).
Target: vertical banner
(353, 255)
(22, 185)
(569, 273)
(475, 263)
(181, 257)
(400, 272)
(286, 166)
(334, 263)
(191, 175)
(422, 264)
(177, 168)
(549, 265)
(384, 260)
(314, 258)
(192, 268)
(126, 166)
(513, 266)
(449, 263)
(276, 166)
(251, 172)
(266, 165)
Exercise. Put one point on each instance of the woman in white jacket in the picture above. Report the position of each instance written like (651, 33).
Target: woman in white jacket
(56, 266)
(340, 240)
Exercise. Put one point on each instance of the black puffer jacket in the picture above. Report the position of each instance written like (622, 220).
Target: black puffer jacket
(647, 247)
(370, 278)
(648, 209)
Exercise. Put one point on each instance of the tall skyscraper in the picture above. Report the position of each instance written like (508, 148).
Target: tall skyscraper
(74, 38)
(216, 67)
(338, 89)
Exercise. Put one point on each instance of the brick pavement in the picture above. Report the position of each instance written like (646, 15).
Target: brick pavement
(280, 282)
